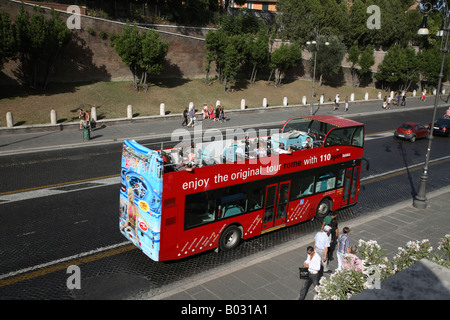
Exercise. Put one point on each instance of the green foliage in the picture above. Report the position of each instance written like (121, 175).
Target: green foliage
(430, 61)
(399, 69)
(344, 284)
(398, 23)
(143, 52)
(283, 58)
(8, 48)
(38, 41)
(329, 58)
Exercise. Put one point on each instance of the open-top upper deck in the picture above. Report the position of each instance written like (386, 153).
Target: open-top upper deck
(297, 134)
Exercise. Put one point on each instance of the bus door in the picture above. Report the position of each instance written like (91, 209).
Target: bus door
(276, 204)
(351, 185)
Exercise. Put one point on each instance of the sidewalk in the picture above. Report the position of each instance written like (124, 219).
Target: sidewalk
(273, 274)
(45, 138)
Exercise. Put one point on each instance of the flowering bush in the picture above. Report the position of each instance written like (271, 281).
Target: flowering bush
(345, 283)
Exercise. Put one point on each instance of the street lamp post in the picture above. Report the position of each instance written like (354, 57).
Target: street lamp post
(315, 49)
(420, 200)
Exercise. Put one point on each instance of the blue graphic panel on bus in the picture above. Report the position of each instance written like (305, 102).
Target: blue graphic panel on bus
(140, 197)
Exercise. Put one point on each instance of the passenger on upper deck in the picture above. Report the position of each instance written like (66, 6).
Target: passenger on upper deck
(307, 144)
(281, 149)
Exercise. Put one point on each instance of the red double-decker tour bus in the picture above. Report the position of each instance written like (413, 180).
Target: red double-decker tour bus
(194, 197)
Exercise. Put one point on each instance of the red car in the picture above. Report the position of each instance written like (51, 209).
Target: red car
(411, 131)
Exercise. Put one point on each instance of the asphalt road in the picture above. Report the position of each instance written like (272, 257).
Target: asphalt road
(83, 216)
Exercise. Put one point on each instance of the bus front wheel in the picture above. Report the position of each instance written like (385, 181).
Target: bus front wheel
(323, 209)
(230, 238)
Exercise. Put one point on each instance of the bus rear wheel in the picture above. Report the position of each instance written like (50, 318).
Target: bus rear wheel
(230, 238)
(323, 209)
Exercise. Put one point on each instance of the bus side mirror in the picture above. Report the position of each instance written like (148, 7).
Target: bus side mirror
(367, 163)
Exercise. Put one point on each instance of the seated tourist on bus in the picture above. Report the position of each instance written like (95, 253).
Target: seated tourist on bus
(240, 152)
(281, 149)
(307, 144)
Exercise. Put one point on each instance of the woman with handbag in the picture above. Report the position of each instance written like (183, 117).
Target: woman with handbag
(313, 263)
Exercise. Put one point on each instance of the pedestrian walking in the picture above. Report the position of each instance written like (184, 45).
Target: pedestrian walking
(404, 100)
(222, 114)
(346, 103)
(191, 117)
(343, 246)
(321, 245)
(331, 221)
(336, 103)
(384, 102)
(312, 262)
(388, 104)
(185, 116)
(424, 93)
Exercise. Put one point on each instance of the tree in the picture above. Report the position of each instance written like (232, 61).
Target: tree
(399, 69)
(231, 64)
(128, 46)
(154, 53)
(283, 58)
(144, 53)
(7, 49)
(38, 41)
(365, 60)
(353, 58)
(259, 53)
(297, 18)
(329, 58)
(430, 61)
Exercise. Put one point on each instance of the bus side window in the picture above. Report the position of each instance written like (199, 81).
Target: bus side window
(340, 178)
(358, 137)
(326, 182)
(302, 186)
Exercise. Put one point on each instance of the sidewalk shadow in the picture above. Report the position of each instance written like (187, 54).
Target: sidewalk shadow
(403, 154)
(28, 139)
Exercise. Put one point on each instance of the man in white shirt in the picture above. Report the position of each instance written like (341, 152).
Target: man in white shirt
(312, 262)
(321, 245)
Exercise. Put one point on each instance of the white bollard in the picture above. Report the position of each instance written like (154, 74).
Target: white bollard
(366, 96)
(53, 116)
(285, 101)
(352, 97)
(264, 104)
(217, 103)
(94, 114)
(434, 92)
(443, 91)
(321, 99)
(9, 120)
(191, 105)
(243, 104)
(304, 100)
(392, 94)
(414, 93)
(130, 112)
(379, 96)
(162, 109)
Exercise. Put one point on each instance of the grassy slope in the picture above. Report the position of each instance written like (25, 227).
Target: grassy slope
(112, 98)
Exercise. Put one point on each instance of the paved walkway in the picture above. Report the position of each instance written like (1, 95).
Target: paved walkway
(273, 274)
(47, 137)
